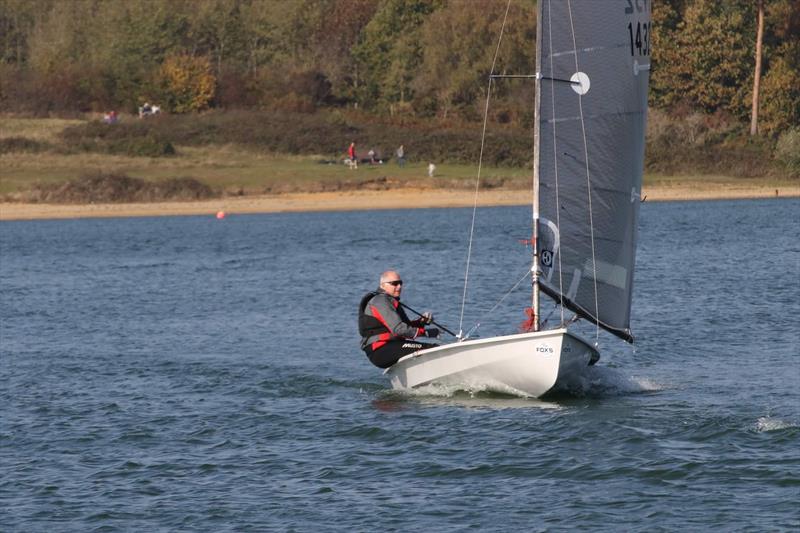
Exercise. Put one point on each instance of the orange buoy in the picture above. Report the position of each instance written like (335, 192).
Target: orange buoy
(220, 215)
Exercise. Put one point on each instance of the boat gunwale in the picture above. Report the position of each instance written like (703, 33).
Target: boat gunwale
(490, 340)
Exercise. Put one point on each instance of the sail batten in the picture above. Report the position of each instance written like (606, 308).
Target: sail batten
(590, 143)
(596, 116)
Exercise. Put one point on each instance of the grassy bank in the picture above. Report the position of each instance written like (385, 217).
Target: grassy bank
(232, 156)
(235, 171)
(241, 168)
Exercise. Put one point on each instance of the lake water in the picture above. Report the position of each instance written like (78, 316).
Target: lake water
(194, 374)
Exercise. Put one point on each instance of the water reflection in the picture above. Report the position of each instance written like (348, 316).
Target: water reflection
(435, 396)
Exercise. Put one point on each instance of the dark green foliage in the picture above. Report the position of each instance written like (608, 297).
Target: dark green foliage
(119, 188)
(22, 144)
(130, 138)
(390, 51)
(177, 189)
(741, 157)
(703, 144)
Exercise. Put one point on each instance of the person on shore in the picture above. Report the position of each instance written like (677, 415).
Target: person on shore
(351, 153)
(431, 170)
(387, 334)
(401, 156)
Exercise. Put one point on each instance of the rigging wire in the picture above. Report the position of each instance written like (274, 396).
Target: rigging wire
(588, 180)
(480, 163)
(496, 305)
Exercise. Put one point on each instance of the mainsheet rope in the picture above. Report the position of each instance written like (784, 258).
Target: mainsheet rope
(478, 178)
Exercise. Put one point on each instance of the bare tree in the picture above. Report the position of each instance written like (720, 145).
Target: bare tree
(757, 77)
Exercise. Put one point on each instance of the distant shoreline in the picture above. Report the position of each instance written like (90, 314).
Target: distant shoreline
(401, 198)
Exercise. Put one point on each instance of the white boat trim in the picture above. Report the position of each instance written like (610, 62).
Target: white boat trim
(525, 364)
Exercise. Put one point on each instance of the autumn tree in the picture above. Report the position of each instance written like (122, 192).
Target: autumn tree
(713, 56)
(665, 23)
(779, 107)
(757, 70)
(187, 83)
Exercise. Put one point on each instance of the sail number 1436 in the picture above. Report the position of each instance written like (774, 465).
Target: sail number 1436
(640, 38)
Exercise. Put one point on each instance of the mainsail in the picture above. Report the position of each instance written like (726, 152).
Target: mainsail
(593, 60)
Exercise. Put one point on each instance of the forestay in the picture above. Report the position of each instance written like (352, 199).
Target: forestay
(590, 141)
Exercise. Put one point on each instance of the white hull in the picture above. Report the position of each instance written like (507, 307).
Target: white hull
(526, 364)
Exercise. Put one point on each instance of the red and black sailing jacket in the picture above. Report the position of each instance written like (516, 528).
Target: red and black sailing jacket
(381, 319)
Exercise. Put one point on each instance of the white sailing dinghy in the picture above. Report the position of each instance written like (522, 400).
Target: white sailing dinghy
(592, 72)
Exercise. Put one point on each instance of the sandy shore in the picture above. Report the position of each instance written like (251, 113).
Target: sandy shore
(358, 200)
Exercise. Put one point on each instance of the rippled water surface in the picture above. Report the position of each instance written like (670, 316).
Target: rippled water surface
(191, 374)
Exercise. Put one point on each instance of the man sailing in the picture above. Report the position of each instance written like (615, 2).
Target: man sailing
(387, 334)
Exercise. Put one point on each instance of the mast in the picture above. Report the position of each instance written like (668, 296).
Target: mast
(536, 155)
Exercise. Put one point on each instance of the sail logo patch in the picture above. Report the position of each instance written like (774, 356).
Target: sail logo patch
(547, 258)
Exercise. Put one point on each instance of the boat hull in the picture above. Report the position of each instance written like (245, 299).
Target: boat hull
(527, 364)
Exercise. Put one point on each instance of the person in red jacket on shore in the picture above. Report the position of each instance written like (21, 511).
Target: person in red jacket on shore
(351, 153)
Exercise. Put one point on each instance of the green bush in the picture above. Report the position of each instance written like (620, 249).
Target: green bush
(22, 144)
(120, 188)
(137, 139)
(697, 143)
(787, 151)
(147, 146)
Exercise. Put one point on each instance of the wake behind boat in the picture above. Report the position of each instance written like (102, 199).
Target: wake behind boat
(591, 80)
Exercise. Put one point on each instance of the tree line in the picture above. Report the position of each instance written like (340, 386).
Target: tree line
(406, 59)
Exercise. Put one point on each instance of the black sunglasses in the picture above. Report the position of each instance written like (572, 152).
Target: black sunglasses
(395, 283)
